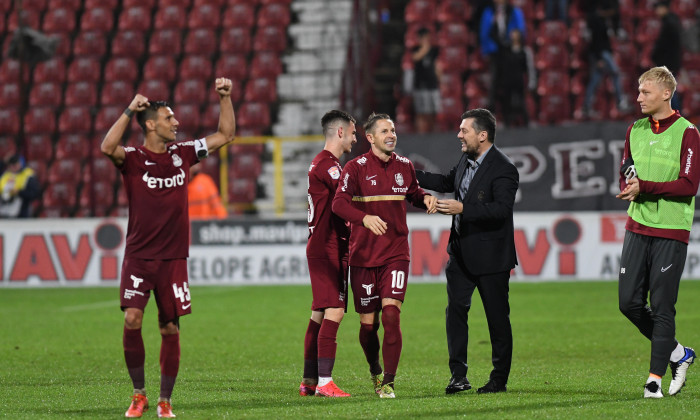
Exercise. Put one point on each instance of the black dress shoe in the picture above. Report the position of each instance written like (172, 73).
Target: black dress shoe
(458, 384)
(491, 387)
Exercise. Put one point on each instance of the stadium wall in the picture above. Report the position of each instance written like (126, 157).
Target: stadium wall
(551, 246)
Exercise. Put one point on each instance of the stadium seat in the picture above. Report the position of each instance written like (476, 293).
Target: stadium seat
(454, 59)
(60, 197)
(59, 21)
(217, 3)
(260, 90)
(554, 108)
(239, 15)
(65, 170)
(98, 195)
(420, 11)
(63, 44)
(108, 4)
(237, 148)
(40, 170)
(273, 14)
(81, 94)
(242, 190)
(552, 32)
(121, 68)
(190, 92)
(117, 92)
(76, 120)
(578, 83)
(182, 3)
(553, 82)
(266, 64)
(148, 4)
(9, 121)
(625, 54)
(65, 4)
(210, 166)
(450, 84)
(74, 146)
(552, 56)
(453, 11)
(235, 40)
(99, 19)
(195, 67)
(691, 103)
(36, 5)
(165, 42)
(101, 168)
(38, 147)
(90, 44)
(452, 109)
(210, 118)
(10, 95)
(233, 65)
(128, 44)
(84, 69)
(53, 70)
(108, 115)
(45, 94)
(8, 147)
(647, 31)
(453, 34)
(9, 71)
(170, 17)
(160, 67)
(253, 118)
(188, 115)
(136, 18)
(205, 16)
(31, 19)
(201, 42)
(411, 36)
(40, 120)
(270, 38)
(154, 90)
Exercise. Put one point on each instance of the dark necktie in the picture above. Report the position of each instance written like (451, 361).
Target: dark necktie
(467, 177)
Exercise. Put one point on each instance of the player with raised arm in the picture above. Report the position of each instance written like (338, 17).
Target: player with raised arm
(372, 196)
(157, 242)
(327, 255)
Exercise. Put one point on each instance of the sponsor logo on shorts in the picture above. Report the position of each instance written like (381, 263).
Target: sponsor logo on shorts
(136, 280)
(341, 297)
(128, 294)
(184, 307)
(368, 288)
(663, 269)
(366, 301)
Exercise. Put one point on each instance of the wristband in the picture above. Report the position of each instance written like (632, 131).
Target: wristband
(128, 112)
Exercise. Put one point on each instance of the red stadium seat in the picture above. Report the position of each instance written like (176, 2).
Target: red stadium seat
(236, 148)
(9, 121)
(99, 193)
(266, 64)
(411, 36)
(39, 147)
(195, 67)
(210, 166)
(260, 90)
(239, 15)
(149, 4)
(136, 18)
(647, 31)
(128, 44)
(74, 146)
(453, 11)
(109, 4)
(233, 66)
(217, 3)
(242, 190)
(625, 54)
(40, 170)
(65, 4)
(53, 70)
(45, 94)
(245, 165)
(75, 120)
(154, 90)
(190, 92)
(90, 44)
(81, 94)
(165, 42)
(553, 82)
(101, 168)
(61, 197)
(552, 56)
(117, 92)
(84, 69)
(8, 147)
(182, 3)
(270, 38)
(65, 170)
(107, 116)
(454, 59)
(452, 109)
(31, 18)
(210, 118)
(9, 71)
(450, 84)
(253, 118)
(205, 16)
(161, 67)
(420, 11)
(553, 109)
(59, 21)
(170, 17)
(99, 19)
(10, 95)
(552, 32)
(36, 5)
(235, 40)
(40, 120)
(453, 34)
(188, 115)
(121, 68)
(201, 42)
(274, 14)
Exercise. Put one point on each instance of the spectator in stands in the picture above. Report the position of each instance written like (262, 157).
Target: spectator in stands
(19, 186)
(497, 21)
(602, 62)
(561, 7)
(426, 82)
(668, 48)
(203, 196)
(515, 65)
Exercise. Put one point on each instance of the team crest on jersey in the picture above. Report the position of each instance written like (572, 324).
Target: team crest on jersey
(334, 172)
(399, 179)
(177, 161)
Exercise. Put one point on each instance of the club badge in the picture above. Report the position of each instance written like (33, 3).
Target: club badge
(177, 161)
(399, 179)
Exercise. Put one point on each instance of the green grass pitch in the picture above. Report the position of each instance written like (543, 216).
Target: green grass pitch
(575, 357)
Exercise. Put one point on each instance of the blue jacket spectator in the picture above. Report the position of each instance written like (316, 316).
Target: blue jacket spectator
(497, 21)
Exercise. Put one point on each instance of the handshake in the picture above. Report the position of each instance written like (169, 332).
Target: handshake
(628, 169)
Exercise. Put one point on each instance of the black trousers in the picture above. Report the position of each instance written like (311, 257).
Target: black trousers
(493, 289)
(652, 267)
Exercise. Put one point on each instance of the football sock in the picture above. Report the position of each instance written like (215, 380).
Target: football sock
(323, 380)
(326, 347)
(311, 350)
(169, 363)
(369, 340)
(135, 355)
(677, 353)
(392, 341)
(654, 378)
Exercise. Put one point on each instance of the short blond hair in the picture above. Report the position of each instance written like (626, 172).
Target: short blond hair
(660, 75)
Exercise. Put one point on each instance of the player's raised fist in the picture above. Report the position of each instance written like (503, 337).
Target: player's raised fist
(223, 86)
(139, 103)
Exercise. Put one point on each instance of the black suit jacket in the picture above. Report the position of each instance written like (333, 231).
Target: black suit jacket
(486, 226)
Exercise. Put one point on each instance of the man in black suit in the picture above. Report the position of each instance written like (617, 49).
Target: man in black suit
(481, 246)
